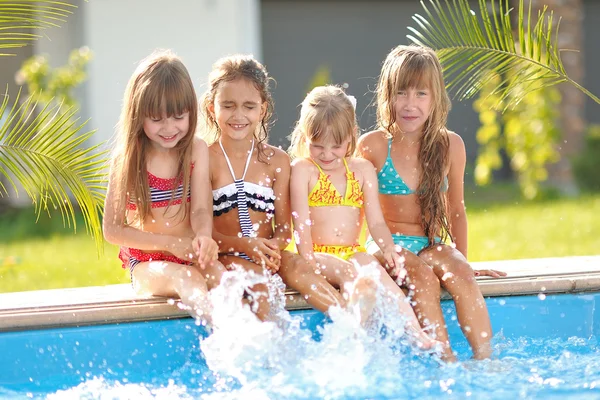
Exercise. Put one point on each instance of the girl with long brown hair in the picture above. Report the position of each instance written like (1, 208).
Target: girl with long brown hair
(420, 172)
(158, 205)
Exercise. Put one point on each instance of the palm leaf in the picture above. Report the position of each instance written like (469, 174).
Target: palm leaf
(474, 47)
(18, 18)
(44, 152)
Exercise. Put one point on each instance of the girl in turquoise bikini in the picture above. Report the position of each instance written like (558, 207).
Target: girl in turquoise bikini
(420, 171)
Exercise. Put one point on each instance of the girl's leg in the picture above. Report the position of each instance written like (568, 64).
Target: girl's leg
(425, 292)
(457, 277)
(393, 291)
(259, 296)
(312, 285)
(163, 278)
(343, 274)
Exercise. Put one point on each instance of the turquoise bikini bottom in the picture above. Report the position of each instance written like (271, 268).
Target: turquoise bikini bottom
(414, 244)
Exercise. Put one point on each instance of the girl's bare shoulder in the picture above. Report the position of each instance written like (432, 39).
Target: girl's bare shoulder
(276, 157)
(199, 147)
(373, 142)
(303, 164)
(360, 164)
(456, 142)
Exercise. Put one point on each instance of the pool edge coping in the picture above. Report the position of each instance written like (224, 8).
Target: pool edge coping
(119, 304)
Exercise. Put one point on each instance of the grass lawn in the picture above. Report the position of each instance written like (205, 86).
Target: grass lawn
(501, 226)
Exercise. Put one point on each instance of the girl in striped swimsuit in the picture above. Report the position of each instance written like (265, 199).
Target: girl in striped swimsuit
(250, 182)
(164, 231)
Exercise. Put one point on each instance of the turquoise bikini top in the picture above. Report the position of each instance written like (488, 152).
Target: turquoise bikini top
(389, 180)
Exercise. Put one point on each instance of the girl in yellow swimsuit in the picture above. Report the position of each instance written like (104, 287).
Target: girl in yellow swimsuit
(332, 193)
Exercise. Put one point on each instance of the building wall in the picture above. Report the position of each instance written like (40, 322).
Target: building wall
(352, 38)
(122, 32)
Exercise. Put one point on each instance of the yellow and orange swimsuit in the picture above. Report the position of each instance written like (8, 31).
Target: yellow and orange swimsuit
(324, 194)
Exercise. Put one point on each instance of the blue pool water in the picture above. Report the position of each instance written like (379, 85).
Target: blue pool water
(545, 347)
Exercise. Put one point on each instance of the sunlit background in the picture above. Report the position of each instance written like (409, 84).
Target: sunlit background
(303, 43)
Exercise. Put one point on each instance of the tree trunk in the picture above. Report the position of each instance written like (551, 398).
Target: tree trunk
(572, 117)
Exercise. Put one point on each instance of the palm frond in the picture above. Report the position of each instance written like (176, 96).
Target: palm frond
(43, 151)
(19, 18)
(475, 46)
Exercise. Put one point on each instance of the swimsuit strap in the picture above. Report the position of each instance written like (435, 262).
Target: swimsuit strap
(390, 148)
(317, 165)
(348, 172)
(229, 163)
(242, 202)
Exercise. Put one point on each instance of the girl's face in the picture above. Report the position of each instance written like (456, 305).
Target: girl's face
(412, 107)
(165, 132)
(238, 109)
(326, 153)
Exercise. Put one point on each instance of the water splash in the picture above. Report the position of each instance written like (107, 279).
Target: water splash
(280, 358)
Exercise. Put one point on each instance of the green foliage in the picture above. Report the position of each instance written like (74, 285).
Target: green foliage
(586, 166)
(527, 131)
(475, 47)
(21, 18)
(43, 151)
(47, 83)
(42, 148)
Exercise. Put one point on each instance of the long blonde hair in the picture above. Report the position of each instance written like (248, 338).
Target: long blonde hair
(419, 67)
(231, 68)
(160, 84)
(326, 110)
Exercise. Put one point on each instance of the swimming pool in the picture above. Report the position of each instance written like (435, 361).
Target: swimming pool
(545, 345)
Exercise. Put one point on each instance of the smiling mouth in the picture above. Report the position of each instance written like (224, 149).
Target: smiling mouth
(169, 137)
(238, 126)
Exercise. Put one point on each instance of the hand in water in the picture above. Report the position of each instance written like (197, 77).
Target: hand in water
(264, 252)
(205, 249)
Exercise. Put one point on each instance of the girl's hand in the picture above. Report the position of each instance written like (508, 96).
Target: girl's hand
(489, 272)
(206, 250)
(395, 265)
(264, 252)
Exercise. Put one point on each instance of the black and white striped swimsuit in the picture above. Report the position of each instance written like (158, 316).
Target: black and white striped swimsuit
(243, 195)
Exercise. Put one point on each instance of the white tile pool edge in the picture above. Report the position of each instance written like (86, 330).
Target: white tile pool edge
(118, 303)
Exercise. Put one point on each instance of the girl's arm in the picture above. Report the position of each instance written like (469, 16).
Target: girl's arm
(281, 187)
(116, 231)
(375, 221)
(299, 181)
(456, 201)
(201, 205)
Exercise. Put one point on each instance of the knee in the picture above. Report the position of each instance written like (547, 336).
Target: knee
(459, 273)
(260, 291)
(424, 282)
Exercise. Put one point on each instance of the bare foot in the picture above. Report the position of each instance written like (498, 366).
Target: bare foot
(423, 341)
(363, 298)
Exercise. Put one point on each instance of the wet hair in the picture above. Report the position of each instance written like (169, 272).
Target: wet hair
(417, 67)
(160, 85)
(326, 112)
(231, 68)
